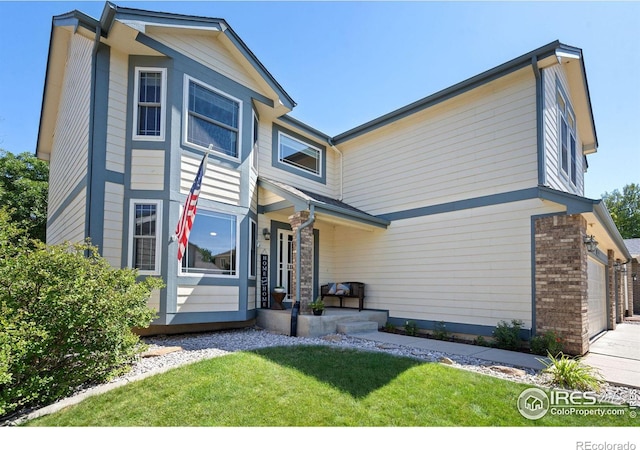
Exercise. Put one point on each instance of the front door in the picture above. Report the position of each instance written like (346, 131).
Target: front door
(284, 276)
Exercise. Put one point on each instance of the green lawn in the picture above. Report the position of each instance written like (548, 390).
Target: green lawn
(313, 386)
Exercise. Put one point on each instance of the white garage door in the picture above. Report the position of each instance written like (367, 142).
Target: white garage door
(597, 297)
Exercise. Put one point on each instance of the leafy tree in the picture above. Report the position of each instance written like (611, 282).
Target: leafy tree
(24, 188)
(625, 209)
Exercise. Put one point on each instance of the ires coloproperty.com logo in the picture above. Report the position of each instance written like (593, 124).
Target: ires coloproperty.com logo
(534, 404)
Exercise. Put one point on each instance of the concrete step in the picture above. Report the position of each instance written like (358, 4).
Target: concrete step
(356, 327)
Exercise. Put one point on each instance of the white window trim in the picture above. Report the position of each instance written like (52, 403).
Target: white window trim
(281, 160)
(254, 146)
(566, 175)
(185, 114)
(132, 213)
(252, 224)
(163, 103)
(181, 274)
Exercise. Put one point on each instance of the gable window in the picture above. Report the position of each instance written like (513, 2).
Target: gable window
(568, 153)
(212, 118)
(299, 154)
(212, 245)
(150, 95)
(145, 225)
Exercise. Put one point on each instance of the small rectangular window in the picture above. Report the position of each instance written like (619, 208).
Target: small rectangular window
(299, 154)
(150, 95)
(145, 236)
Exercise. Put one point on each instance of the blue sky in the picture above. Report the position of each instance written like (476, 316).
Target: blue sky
(345, 63)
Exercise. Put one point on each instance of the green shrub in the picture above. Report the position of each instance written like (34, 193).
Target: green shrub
(480, 340)
(389, 327)
(440, 332)
(411, 328)
(549, 342)
(65, 319)
(570, 373)
(507, 336)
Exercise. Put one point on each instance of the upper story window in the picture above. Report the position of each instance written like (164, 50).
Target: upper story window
(212, 118)
(567, 144)
(150, 95)
(299, 154)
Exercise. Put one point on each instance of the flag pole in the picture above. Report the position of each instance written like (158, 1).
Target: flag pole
(189, 211)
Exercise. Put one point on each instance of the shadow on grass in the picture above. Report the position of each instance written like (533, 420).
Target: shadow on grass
(351, 371)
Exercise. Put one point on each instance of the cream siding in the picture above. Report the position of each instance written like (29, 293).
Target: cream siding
(267, 170)
(147, 170)
(251, 298)
(205, 48)
(113, 223)
(207, 298)
(69, 225)
(554, 177)
(220, 184)
(154, 300)
(471, 266)
(68, 164)
(480, 143)
(116, 119)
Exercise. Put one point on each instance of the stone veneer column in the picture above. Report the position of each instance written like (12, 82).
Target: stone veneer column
(561, 280)
(306, 255)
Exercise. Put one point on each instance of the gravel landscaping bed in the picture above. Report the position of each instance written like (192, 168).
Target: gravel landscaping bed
(176, 350)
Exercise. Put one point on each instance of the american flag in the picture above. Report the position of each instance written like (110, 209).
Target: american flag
(189, 211)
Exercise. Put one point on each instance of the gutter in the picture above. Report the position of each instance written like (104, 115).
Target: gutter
(296, 306)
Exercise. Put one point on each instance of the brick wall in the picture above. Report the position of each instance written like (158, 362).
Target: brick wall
(561, 280)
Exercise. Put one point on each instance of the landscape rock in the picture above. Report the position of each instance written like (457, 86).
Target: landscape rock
(509, 370)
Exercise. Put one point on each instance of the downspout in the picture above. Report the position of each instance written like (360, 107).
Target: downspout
(341, 166)
(542, 172)
(94, 77)
(296, 306)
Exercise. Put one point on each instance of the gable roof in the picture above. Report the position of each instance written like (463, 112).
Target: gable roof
(143, 17)
(633, 245)
(137, 19)
(538, 58)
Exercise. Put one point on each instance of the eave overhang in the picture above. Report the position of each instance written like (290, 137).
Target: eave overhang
(302, 200)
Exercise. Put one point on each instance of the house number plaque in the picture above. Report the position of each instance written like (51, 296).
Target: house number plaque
(264, 281)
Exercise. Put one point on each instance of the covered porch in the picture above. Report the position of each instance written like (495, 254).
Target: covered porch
(300, 226)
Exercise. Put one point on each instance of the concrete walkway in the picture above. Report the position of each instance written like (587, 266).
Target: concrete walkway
(516, 359)
(616, 355)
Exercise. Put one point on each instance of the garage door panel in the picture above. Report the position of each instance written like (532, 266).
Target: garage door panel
(597, 293)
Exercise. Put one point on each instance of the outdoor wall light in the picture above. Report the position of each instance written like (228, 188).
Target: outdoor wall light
(634, 276)
(620, 267)
(266, 234)
(591, 243)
